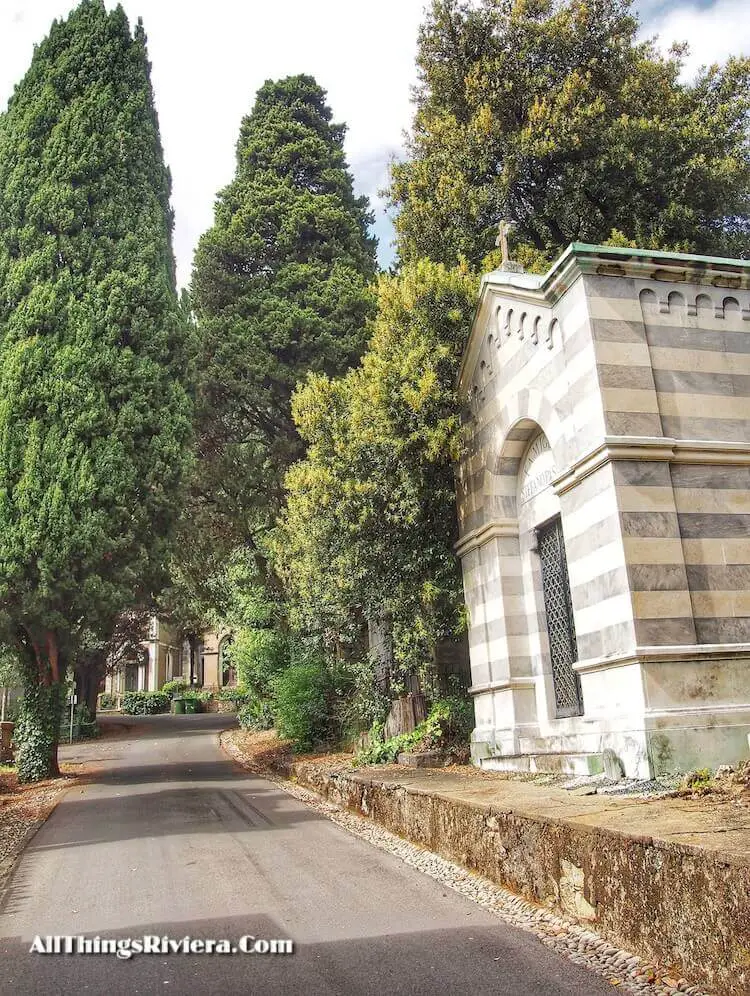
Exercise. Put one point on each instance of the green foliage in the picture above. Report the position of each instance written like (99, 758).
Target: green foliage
(95, 356)
(301, 702)
(84, 724)
(175, 688)
(449, 724)
(237, 695)
(553, 115)
(279, 288)
(108, 701)
(697, 780)
(256, 714)
(144, 703)
(387, 751)
(37, 730)
(454, 714)
(358, 704)
(10, 667)
(259, 655)
(371, 513)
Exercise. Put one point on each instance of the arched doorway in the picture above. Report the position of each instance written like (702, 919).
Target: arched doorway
(545, 570)
(227, 670)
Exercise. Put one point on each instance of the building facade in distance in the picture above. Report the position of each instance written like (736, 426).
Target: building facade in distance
(165, 658)
(604, 509)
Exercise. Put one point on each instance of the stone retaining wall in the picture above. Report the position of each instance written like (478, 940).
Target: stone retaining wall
(675, 904)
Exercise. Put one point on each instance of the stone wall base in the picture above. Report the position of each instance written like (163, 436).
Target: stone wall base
(672, 903)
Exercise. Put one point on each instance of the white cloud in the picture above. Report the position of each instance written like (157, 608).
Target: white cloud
(713, 32)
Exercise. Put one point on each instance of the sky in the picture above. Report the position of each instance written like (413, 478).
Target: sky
(209, 58)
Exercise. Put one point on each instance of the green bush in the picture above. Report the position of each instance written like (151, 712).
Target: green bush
(144, 703)
(84, 725)
(199, 694)
(455, 715)
(449, 724)
(107, 701)
(175, 687)
(301, 702)
(358, 703)
(238, 695)
(255, 715)
(258, 656)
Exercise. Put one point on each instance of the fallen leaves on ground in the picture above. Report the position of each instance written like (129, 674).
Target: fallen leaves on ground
(21, 806)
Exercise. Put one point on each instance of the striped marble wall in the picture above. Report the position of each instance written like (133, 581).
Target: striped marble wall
(634, 367)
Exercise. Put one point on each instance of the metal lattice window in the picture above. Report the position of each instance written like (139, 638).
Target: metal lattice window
(560, 625)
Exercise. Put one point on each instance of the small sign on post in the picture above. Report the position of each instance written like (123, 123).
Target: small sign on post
(72, 700)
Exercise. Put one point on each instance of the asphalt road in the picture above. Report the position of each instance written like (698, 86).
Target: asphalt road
(170, 838)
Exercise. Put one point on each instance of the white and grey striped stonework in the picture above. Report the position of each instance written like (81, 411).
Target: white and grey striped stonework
(614, 392)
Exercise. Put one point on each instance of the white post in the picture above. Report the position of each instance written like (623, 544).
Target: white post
(3, 700)
(73, 699)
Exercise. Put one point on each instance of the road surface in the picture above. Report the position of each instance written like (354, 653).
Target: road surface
(171, 839)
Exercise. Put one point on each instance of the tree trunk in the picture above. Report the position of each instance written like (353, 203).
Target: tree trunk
(88, 676)
(37, 731)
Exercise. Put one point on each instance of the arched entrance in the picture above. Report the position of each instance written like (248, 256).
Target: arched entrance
(545, 570)
(227, 670)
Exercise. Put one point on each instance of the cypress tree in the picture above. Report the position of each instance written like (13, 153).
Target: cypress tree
(280, 288)
(95, 397)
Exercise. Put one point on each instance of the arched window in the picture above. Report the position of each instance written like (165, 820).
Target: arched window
(560, 625)
(227, 671)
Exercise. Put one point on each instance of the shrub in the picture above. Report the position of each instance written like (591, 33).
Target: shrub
(84, 725)
(175, 687)
(449, 724)
(107, 701)
(238, 695)
(259, 655)
(301, 702)
(358, 703)
(455, 715)
(255, 715)
(199, 694)
(144, 703)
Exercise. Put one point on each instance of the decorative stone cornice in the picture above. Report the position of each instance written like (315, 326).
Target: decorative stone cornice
(497, 528)
(503, 684)
(673, 654)
(652, 448)
(611, 261)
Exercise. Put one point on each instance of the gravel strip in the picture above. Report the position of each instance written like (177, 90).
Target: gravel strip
(20, 818)
(580, 944)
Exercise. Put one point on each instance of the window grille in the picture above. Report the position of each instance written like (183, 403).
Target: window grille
(560, 625)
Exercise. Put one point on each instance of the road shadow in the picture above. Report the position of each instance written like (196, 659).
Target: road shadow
(482, 960)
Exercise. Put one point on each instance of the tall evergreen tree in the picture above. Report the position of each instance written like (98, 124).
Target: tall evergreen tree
(551, 114)
(280, 288)
(95, 394)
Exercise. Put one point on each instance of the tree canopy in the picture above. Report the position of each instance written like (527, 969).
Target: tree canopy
(279, 289)
(552, 115)
(371, 513)
(95, 358)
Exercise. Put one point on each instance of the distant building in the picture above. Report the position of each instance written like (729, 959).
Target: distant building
(165, 658)
(604, 507)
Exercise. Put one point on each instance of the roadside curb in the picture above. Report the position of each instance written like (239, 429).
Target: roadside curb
(8, 864)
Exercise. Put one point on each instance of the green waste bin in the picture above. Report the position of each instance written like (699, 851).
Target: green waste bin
(191, 705)
(178, 707)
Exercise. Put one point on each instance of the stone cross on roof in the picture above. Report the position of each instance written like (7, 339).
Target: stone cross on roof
(503, 229)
